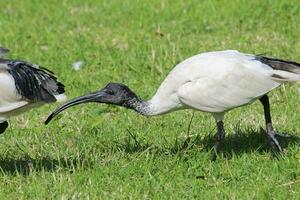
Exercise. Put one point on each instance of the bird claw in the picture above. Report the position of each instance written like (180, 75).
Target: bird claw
(284, 135)
(274, 142)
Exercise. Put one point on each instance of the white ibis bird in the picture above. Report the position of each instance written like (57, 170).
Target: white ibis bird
(213, 82)
(24, 86)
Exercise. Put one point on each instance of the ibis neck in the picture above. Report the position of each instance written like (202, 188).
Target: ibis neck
(159, 104)
(140, 106)
(151, 107)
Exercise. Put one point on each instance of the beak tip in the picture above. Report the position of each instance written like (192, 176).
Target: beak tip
(78, 100)
(48, 119)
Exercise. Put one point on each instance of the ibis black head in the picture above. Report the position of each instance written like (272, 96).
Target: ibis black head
(112, 93)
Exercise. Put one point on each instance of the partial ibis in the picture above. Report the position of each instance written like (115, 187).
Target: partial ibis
(214, 82)
(24, 86)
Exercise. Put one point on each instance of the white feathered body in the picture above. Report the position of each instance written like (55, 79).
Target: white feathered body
(217, 82)
(9, 99)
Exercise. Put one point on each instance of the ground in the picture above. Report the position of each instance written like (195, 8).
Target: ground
(106, 152)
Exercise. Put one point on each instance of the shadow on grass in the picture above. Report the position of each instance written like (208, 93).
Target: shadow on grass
(241, 142)
(248, 141)
(25, 166)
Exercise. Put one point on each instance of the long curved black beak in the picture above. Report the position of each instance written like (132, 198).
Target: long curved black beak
(91, 97)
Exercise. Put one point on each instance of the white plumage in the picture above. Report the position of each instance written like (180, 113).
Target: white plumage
(214, 82)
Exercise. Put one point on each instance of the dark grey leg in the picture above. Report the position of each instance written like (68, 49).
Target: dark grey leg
(219, 139)
(3, 126)
(271, 133)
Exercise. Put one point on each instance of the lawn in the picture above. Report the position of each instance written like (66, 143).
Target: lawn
(106, 152)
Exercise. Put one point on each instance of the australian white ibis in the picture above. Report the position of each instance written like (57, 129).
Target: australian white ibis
(213, 82)
(24, 86)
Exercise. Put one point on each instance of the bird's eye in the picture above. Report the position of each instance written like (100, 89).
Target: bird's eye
(110, 92)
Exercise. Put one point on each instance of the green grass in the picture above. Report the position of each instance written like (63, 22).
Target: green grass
(105, 152)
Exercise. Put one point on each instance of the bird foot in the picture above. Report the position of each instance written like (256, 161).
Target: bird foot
(213, 156)
(275, 146)
(284, 135)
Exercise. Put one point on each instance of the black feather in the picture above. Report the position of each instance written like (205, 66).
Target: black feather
(33, 82)
(279, 64)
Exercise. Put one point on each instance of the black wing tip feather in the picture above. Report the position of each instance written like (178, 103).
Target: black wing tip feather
(61, 88)
(46, 70)
(266, 60)
(60, 85)
(279, 64)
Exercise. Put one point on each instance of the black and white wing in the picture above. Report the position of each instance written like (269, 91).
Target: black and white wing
(24, 86)
(33, 83)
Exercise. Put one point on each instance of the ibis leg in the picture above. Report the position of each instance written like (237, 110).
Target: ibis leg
(271, 133)
(219, 139)
(3, 126)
